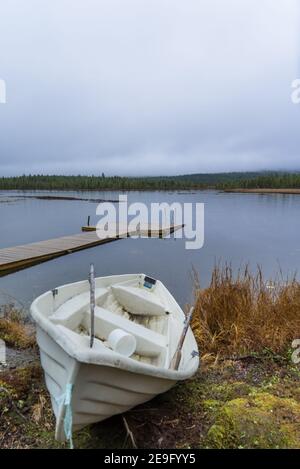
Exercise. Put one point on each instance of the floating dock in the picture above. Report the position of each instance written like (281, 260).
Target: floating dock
(24, 256)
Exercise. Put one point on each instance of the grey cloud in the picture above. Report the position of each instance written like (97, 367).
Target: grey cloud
(137, 87)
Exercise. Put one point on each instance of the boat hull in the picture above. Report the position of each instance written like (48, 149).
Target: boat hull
(99, 391)
(92, 384)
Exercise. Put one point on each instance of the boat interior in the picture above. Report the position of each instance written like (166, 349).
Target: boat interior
(138, 305)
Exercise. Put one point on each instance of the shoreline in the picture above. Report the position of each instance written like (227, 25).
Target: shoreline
(262, 191)
(21, 193)
(179, 191)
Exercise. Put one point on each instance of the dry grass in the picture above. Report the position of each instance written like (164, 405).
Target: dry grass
(243, 313)
(14, 330)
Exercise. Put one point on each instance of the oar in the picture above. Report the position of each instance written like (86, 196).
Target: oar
(92, 303)
(177, 355)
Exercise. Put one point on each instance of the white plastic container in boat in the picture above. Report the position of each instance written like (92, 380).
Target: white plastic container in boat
(105, 381)
(122, 342)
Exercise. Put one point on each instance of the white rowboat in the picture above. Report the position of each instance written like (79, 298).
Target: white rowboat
(131, 312)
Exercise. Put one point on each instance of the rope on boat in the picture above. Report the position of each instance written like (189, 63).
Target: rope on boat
(68, 420)
(66, 399)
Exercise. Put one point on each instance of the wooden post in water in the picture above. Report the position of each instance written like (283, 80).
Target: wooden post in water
(88, 220)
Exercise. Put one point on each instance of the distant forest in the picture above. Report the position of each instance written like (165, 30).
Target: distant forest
(234, 180)
(264, 181)
(184, 182)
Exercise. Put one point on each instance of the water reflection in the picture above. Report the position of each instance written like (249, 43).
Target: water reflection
(260, 229)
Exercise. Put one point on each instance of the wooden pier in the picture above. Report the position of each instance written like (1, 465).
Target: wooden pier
(24, 256)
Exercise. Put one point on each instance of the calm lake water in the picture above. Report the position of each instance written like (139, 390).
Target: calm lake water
(239, 228)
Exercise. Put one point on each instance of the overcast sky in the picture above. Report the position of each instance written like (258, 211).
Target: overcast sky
(135, 87)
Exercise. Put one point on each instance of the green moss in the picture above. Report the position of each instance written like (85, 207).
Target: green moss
(186, 395)
(197, 393)
(211, 405)
(6, 394)
(259, 421)
(228, 391)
